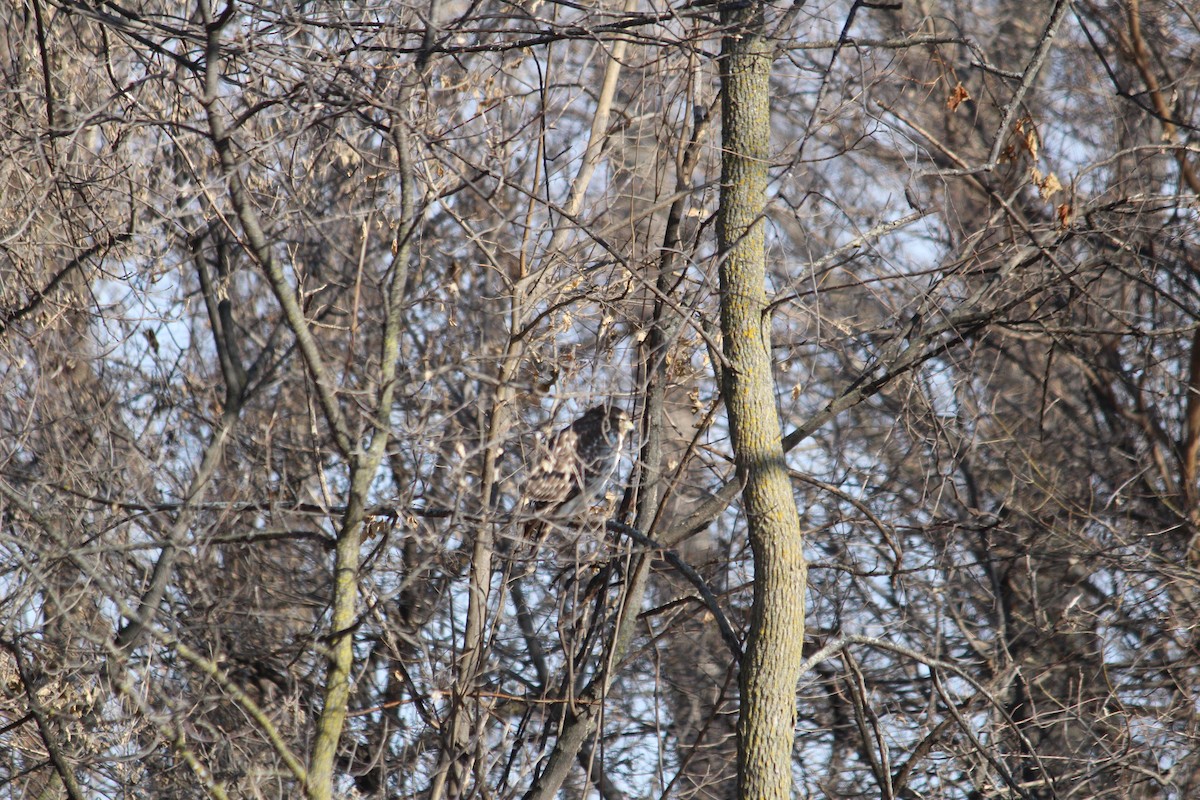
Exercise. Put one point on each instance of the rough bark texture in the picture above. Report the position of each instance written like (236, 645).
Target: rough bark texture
(773, 653)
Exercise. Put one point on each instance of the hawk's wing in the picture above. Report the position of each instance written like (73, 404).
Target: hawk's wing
(554, 476)
(574, 465)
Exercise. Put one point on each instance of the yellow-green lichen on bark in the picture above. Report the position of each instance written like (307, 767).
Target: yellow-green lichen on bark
(770, 667)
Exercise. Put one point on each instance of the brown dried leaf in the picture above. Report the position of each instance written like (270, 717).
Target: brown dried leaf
(957, 97)
(1049, 186)
(1032, 142)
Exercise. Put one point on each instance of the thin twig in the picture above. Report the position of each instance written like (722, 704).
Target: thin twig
(710, 600)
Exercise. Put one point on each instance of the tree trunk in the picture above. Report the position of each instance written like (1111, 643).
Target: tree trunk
(771, 664)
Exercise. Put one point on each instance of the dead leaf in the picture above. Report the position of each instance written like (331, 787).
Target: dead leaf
(957, 97)
(1049, 186)
(1032, 142)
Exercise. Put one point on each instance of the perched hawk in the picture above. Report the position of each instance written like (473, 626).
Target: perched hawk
(572, 469)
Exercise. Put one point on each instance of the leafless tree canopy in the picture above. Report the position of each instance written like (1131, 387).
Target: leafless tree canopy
(290, 292)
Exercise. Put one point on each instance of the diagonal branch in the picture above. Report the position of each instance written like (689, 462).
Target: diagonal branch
(706, 594)
(260, 248)
(49, 738)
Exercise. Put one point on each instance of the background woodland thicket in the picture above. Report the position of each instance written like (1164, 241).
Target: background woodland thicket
(287, 289)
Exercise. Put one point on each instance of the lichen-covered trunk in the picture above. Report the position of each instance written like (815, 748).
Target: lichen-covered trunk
(771, 664)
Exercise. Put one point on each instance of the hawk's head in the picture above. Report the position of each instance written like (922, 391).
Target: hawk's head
(572, 468)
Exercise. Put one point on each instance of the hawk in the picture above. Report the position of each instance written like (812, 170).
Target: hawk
(572, 469)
